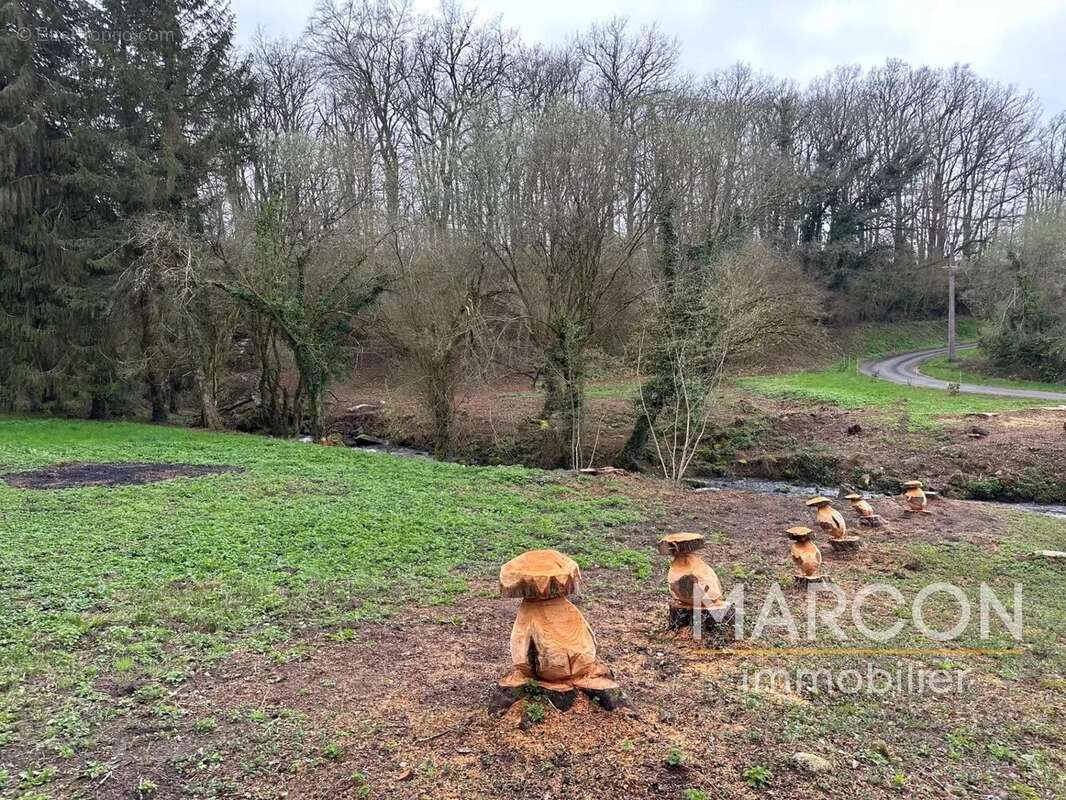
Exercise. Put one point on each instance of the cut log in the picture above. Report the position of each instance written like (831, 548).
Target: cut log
(846, 544)
(540, 575)
(602, 471)
(678, 543)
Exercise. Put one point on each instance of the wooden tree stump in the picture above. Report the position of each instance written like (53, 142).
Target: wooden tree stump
(693, 583)
(679, 617)
(915, 498)
(806, 556)
(868, 518)
(803, 582)
(553, 649)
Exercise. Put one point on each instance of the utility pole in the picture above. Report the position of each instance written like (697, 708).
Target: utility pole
(952, 270)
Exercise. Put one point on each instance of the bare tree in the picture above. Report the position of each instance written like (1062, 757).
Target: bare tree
(364, 49)
(712, 318)
(434, 319)
(569, 268)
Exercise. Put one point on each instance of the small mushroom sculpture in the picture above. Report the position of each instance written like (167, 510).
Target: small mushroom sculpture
(806, 556)
(832, 523)
(915, 498)
(868, 518)
(689, 573)
(551, 642)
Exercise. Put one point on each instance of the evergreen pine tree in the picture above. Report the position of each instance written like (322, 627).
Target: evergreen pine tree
(171, 89)
(48, 204)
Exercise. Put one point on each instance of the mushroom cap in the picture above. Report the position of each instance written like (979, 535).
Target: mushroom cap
(912, 485)
(676, 543)
(540, 575)
(853, 496)
(818, 501)
(799, 532)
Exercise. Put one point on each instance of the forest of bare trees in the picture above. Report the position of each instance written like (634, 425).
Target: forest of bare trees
(469, 203)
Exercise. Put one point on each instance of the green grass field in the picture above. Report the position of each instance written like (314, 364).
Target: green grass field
(967, 369)
(116, 601)
(846, 388)
(150, 579)
(842, 385)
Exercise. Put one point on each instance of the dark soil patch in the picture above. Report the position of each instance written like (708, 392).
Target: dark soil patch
(67, 476)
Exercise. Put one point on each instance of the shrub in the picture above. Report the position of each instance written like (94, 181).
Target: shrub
(758, 777)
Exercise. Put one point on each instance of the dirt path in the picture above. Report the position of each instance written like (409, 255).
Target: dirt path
(903, 369)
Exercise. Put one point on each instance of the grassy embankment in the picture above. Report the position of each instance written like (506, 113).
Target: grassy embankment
(970, 368)
(842, 385)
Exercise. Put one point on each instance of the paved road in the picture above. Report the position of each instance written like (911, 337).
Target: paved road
(904, 369)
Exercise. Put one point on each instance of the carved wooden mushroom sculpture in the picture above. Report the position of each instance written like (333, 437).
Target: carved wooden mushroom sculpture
(551, 643)
(868, 518)
(830, 521)
(688, 572)
(807, 557)
(915, 498)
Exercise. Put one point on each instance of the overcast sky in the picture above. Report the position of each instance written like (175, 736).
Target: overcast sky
(1014, 41)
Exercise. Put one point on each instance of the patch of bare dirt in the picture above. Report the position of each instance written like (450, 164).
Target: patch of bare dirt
(68, 476)
(742, 527)
(1024, 451)
(495, 423)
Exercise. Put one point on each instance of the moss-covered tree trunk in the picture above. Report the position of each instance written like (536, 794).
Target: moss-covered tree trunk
(655, 395)
(564, 389)
(153, 373)
(659, 390)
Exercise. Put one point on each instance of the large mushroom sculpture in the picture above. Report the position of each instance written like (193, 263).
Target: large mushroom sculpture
(868, 518)
(832, 523)
(692, 583)
(553, 649)
(915, 498)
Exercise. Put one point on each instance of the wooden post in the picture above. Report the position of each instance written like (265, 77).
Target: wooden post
(952, 269)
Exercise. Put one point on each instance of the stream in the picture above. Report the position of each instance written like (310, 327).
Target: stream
(754, 485)
(766, 486)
